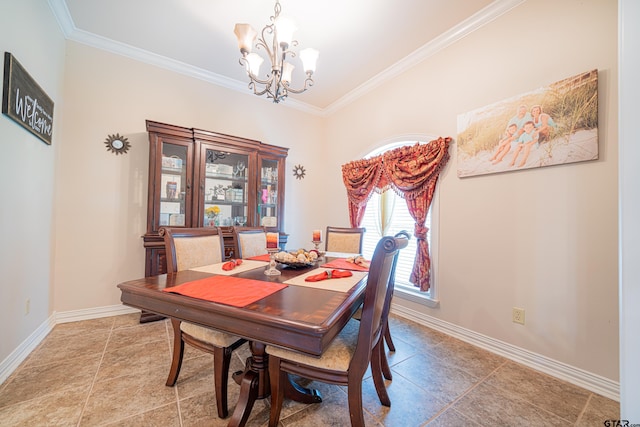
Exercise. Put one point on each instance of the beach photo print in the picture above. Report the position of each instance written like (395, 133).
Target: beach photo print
(552, 125)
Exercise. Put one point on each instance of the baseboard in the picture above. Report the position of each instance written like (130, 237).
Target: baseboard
(93, 313)
(11, 363)
(595, 383)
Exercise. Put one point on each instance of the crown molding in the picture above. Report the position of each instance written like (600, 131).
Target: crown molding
(481, 18)
(466, 27)
(62, 15)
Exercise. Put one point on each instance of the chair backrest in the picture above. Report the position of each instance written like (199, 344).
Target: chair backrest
(392, 280)
(250, 241)
(347, 240)
(192, 247)
(375, 300)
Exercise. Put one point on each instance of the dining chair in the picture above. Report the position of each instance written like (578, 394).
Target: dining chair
(346, 240)
(188, 248)
(250, 241)
(345, 360)
(384, 363)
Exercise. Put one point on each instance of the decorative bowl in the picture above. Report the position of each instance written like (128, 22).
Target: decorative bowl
(295, 265)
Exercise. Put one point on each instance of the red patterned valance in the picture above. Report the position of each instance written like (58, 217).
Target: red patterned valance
(412, 172)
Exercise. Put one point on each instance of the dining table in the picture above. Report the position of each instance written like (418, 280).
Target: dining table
(299, 315)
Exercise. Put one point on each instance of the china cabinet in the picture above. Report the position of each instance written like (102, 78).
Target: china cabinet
(199, 178)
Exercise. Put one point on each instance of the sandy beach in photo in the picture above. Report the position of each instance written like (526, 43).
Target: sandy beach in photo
(581, 146)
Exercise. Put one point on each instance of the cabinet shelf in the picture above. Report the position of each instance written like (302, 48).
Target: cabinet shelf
(226, 177)
(172, 171)
(224, 203)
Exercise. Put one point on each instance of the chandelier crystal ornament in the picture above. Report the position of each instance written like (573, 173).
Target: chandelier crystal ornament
(278, 80)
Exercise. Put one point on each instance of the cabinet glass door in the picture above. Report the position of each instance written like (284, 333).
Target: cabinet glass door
(268, 193)
(225, 188)
(173, 185)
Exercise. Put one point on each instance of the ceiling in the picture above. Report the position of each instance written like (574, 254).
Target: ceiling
(361, 42)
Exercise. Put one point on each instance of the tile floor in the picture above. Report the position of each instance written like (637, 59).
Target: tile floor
(111, 371)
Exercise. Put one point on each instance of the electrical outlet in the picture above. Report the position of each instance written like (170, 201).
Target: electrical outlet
(27, 306)
(518, 315)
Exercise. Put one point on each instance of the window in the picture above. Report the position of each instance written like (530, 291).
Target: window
(393, 210)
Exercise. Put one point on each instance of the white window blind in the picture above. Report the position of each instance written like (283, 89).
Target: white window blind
(400, 220)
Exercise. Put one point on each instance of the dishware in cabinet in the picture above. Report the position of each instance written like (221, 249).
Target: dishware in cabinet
(270, 188)
(170, 179)
(224, 186)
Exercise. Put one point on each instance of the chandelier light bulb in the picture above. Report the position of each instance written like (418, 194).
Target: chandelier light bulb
(287, 69)
(285, 29)
(254, 61)
(246, 36)
(309, 58)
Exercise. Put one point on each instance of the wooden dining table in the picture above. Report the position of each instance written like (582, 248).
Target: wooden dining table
(300, 318)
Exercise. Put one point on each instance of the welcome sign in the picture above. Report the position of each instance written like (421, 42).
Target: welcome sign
(24, 101)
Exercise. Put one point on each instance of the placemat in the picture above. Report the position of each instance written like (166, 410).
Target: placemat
(217, 268)
(339, 285)
(234, 291)
(264, 257)
(340, 254)
(343, 264)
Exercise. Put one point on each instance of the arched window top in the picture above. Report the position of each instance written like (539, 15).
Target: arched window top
(399, 141)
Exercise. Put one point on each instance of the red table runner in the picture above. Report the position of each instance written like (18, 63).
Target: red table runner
(343, 264)
(234, 291)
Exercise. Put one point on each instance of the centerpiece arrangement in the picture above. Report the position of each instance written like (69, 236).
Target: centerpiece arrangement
(297, 259)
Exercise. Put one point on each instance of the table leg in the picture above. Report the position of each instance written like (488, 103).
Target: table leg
(254, 383)
(301, 394)
(257, 363)
(248, 395)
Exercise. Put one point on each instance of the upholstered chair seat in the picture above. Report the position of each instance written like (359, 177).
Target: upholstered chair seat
(221, 339)
(336, 357)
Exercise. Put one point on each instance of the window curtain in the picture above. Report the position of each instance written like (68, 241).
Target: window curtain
(412, 172)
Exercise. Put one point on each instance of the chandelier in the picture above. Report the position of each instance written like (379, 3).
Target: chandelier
(277, 82)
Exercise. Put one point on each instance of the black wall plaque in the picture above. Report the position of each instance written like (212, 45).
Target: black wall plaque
(24, 101)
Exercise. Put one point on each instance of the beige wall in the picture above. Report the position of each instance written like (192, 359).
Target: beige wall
(102, 198)
(29, 31)
(544, 240)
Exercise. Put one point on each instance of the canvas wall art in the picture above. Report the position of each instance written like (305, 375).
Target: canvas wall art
(552, 125)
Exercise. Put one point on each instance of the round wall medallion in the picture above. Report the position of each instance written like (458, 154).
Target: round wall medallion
(298, 171)
(117, 144)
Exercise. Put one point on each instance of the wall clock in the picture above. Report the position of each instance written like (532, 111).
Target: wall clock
(117, 144)
(298, 171)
